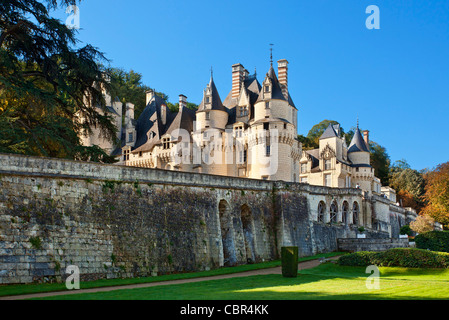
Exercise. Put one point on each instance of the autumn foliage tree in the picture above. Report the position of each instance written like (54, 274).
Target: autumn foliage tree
(437, 193)
(423, 224)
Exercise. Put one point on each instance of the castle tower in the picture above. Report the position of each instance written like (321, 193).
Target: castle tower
(273, 134)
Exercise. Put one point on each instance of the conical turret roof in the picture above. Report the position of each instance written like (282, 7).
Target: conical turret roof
(358, 143)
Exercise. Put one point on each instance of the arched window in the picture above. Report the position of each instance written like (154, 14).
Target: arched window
(355, 213)
(333, 212)
(345, 212)
(321, 211)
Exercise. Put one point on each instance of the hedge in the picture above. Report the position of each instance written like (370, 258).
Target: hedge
(400, 257)
(433, 240)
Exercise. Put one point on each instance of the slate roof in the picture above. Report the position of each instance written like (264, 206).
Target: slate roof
(358, 143)
(150, 127)
(216, 100)
(276, 91)
(330, 132)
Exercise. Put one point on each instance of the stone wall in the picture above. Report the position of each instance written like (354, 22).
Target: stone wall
(356, 245)
(115, 221)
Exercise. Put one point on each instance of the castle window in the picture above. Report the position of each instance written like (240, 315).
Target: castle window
(355, 213)
(267, 150)
(243, 111)
(267, 88)
(207, 116)
(130, 137)
(166, 143)
(303, 167)
(267, 105)
(333, 212)
(140, 154)
(345, 212)
(266, 126)
(321, 211)
(126, 155)
(238, 132)
(207, 99)
(327, 164)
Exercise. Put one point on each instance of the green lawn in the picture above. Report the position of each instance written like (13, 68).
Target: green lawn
(11, 290)
(326, 282)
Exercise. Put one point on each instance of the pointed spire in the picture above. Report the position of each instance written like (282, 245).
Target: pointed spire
(271, 54)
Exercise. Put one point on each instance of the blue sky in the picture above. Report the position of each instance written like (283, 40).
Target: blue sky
(395, 79)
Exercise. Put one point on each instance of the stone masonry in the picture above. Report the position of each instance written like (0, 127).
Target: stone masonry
(116, 221)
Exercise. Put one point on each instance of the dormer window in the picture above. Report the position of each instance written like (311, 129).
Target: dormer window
(243, 111)
(207, 100)
(130, 137)
(166, 143)
(267, 105)
(267, 88)
(207, 115)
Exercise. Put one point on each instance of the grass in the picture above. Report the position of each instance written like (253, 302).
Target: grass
(12, 290)
(325, 282)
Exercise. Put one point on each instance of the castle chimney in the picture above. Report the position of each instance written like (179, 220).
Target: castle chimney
(150, 95)
(283, 76)
(366, 137)
(238, 75)
(129, 113)
(182, 101)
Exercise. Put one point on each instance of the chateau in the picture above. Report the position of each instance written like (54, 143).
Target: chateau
(251, 134)
(195, 190)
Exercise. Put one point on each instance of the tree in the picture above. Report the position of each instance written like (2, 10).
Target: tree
(128, 86)
(406, 199)
(423, 224)
(380, 161)
(408, 182)
(50, 91)
(437, 193)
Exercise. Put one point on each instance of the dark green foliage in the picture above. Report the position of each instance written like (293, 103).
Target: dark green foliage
(289, 257)
(401, 257)
(358, 259)
(433, 240)
(406, 230)
(128, 86)
(380, 161)
(36, 243)
(49, 89)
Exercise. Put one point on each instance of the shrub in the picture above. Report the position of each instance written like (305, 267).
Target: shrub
(433, 240)
(406, 230)
(400, 257)
(357, 259)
